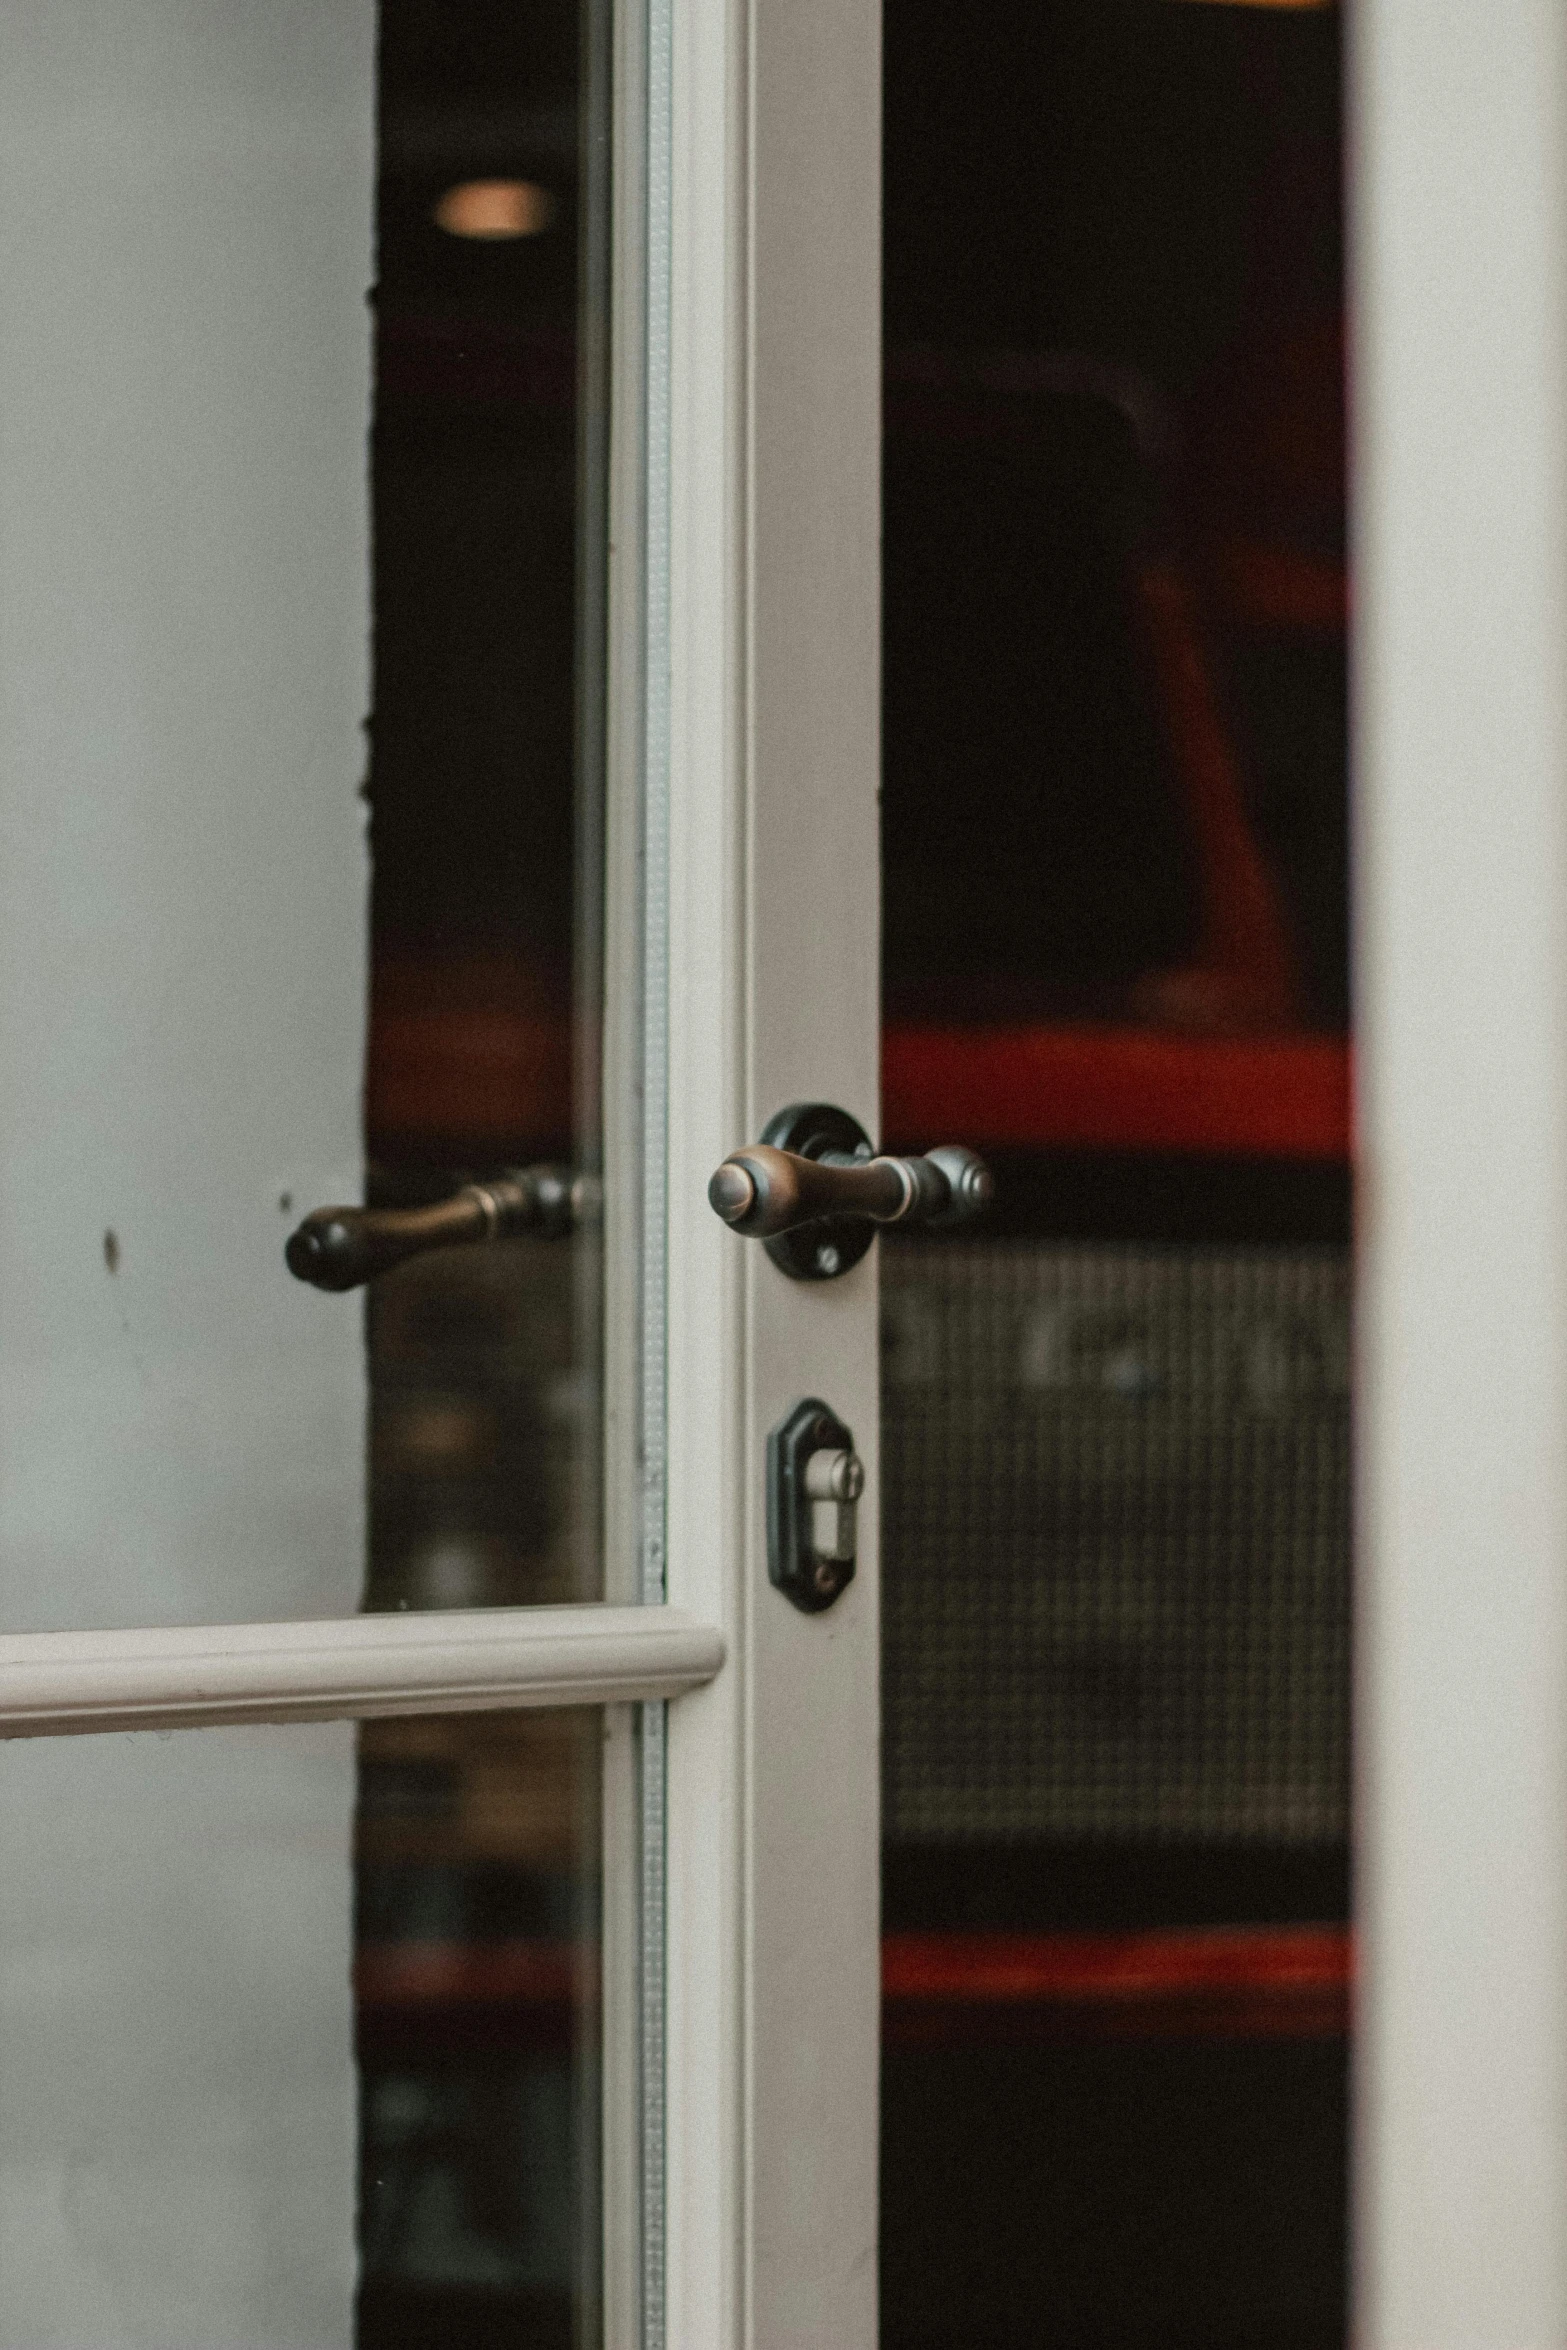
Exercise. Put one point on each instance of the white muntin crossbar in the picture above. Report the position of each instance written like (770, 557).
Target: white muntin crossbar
(470, 1661)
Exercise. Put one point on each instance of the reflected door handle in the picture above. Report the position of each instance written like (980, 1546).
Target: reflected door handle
(814, 1190)
(339, 1248)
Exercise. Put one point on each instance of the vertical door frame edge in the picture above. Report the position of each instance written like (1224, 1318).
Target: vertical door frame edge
(773, 924)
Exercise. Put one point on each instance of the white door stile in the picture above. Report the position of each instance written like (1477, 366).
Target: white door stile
(773, 1856)
(55, 1684)
(1460, 334)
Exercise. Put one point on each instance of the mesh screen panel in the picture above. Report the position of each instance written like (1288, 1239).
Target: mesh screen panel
(1115, 1542)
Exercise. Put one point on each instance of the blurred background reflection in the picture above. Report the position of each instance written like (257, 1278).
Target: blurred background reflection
(477, 1842)
(1116, 1567)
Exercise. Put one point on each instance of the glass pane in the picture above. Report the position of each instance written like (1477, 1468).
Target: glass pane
(278, 2073)
(477, 1979)
(303, 488)
(1116, 1428)
(484, 789)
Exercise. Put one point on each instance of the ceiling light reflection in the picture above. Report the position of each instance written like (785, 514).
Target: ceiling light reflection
(494, 210)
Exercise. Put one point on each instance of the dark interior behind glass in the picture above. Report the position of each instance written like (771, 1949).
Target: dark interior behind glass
(477, 1843)
(1116, 1434)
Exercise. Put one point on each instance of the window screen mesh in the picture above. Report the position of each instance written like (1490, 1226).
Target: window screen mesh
(1115, 1542)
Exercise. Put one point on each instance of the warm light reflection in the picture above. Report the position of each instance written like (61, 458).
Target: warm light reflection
(495, 209)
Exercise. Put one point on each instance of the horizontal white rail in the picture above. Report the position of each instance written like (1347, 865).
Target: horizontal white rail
(54, 1684)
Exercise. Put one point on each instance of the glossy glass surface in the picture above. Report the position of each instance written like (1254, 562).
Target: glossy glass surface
(477, 1981)
(300, 723)
(484, 789)
(1116, 1493)
(280, 2068)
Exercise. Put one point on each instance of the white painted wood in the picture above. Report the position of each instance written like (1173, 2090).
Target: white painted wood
(1460, 205)
(475, 1660)
(773, 1815)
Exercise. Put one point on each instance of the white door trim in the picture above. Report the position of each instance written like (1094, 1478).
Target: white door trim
(1459, 199)
(772, 2048)
(186, 1677)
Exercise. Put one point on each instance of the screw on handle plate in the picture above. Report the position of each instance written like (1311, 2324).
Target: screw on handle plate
(341, 1248)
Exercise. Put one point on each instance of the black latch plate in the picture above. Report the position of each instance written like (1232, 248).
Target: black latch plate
(812, 1583)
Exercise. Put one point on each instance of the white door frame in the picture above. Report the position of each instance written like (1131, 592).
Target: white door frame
(194, 1676)
(1459, 202)
(773, 2003)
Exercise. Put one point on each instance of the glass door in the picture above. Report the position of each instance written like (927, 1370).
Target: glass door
(306, 462)
(438, 462)
(305, 466)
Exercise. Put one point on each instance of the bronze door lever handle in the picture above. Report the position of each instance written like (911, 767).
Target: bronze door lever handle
(761, 1191)
(813, 1190)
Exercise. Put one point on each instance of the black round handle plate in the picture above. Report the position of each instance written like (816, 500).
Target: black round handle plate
(833, 1244)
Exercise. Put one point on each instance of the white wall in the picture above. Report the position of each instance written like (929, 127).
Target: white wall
(185, 248)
